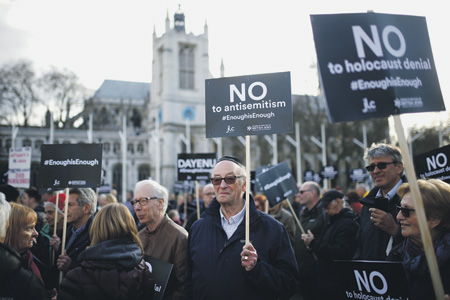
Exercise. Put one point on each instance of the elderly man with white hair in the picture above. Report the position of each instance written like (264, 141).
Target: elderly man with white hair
(161, 237)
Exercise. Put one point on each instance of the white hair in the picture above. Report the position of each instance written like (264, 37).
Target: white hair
(5, 211)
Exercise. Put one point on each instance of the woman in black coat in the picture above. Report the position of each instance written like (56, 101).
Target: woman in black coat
(16, 282)
(112, 267)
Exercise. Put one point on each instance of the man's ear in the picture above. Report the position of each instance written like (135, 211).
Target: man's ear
(433, 223)
(399, 168)
(86, 208)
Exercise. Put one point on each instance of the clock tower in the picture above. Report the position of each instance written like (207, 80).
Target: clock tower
(177, 103)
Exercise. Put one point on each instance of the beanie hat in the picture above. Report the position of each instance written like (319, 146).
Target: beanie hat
(61, 201)
(330, 196)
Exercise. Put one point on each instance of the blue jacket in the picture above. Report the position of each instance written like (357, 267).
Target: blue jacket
(214, 270)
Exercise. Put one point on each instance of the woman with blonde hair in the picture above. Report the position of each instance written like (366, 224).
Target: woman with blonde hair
(112, 267)
(21, 235)
(436, 201)
(16, 281)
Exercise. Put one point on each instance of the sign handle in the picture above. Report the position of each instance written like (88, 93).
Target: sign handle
(56, 214)
(298, 221)
(420, 211)
(185, 209)
(66, 206)
(198, 199)
(247, 190)
(55, 224)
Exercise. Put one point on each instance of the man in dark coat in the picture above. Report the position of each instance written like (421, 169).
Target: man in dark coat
(80, 213)
(219, 263)
(338, 242)
(379, 235)
(312, 217)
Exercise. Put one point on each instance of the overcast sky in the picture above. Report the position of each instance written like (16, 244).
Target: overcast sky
(100, 39)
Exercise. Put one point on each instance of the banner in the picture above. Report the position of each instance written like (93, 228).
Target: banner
(375, 65)
(310, 175)
(433, 164)
(70, 166)
(329, 172)
(19, 167)
(358, 175)
(248, 105)
(371, 280)
(277, 183)
(195, 166)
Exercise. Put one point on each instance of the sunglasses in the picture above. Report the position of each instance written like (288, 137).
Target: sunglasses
(230, 179)
(380, 165)
(406, 212)
(142, 201)
(304, 191)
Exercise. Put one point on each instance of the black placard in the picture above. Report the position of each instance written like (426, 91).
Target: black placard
(277, 183)
(433, 164)
(248, 105)
(375, 65)
(196, 166)
(70, 165)
(371, 280)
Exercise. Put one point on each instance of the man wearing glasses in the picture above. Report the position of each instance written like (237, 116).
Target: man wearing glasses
(161, 237)
(379, 234)
(219, 263)
(313, 219)
(208, 196)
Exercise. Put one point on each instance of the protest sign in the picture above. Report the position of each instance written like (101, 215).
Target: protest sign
(195, 166)
(70, 165)
(371, 280)
(277, 183)
(310, 175)
(358, 175)
(161, 270)
(248, 105)
(19, 167)
(433, 164)
(329, 172)
(375, 65)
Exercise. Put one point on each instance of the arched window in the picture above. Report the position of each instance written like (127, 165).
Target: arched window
(140, 148)
(117, 177)
(187, 67)
(144, 172)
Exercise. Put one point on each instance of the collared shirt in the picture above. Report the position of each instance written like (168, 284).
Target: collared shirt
(75, 233)
(231, 226)
(389, 196)
(392, 192)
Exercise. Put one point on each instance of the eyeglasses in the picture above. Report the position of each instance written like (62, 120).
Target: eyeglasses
(380, 165)
(304, 191)
(142, 201)
(230, 179)
(406, 212)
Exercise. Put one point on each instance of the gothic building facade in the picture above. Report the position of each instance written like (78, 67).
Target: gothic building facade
(148, 124)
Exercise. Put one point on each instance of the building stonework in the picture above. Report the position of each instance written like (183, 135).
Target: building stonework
(167, 117)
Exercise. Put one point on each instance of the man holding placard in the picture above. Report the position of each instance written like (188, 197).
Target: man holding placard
(80, 214)
(219, 263)
(379, 235)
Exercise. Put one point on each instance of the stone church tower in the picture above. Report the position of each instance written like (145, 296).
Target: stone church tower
(177, 103)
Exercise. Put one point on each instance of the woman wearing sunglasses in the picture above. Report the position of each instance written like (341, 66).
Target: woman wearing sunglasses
(436, 201)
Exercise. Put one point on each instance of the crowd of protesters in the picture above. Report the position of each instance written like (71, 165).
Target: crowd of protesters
(107, 249)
